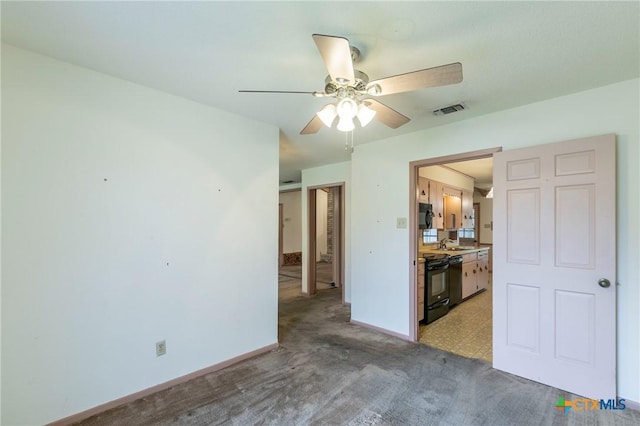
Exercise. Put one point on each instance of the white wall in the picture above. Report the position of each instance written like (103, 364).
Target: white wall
(486, 218)
(326, 175)
(125, 222)
(292, 219)
(380, 252)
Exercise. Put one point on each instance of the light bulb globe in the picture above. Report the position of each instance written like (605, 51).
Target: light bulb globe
(345, 124)
(347, 108)
(365, 114)
(327, 114)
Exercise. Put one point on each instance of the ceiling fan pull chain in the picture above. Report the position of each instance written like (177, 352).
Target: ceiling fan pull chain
(348, 141)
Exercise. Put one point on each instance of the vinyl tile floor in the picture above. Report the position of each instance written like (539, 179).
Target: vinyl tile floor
(466, 330)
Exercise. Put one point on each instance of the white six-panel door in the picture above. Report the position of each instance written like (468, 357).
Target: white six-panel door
(554, 240)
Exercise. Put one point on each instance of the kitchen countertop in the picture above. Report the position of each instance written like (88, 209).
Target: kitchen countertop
(454, 252)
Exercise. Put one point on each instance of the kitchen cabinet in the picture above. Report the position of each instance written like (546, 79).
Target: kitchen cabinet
(469, 278)
(483, 269)
(475, 272)
(420, 299)
(452, 208)
(423, 190)
(467, 209)
(436, 198)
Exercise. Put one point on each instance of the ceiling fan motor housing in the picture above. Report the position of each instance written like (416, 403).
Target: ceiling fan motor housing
(360, 83)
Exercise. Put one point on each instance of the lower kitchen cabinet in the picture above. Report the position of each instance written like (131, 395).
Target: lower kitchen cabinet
(469, 281)
(483, 269)
(475, 272)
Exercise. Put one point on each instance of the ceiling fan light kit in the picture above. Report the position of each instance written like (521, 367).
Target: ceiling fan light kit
(350, 87)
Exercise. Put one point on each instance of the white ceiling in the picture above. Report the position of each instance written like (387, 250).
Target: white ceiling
(513, 53)
(480, 170)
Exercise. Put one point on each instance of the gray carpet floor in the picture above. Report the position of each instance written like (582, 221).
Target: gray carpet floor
(324, 274)
(328, 371)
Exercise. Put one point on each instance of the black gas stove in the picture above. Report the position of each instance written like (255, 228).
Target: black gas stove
(436, 286)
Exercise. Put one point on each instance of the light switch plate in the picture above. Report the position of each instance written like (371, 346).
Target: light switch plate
(401, 223)
(161, 348)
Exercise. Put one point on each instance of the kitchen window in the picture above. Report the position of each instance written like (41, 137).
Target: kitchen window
(429, 236)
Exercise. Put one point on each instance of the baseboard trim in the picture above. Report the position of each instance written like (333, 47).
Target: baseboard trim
(74, 418)
(382, 330)
(634, 405)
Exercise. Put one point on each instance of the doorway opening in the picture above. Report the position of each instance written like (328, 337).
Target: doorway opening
(454, 188)
(325, 248)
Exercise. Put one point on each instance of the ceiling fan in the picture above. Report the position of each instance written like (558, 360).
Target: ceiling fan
(354, 93)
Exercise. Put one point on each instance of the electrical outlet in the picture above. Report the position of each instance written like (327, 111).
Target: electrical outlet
(401, 223)
(161, 348)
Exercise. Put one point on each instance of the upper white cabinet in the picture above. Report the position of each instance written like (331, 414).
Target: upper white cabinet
(467, 209)
(423, 190)
(452, 206)
(436, 196)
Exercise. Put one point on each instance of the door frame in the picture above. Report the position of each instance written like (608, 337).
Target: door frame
(414, 166)
(338, 243)
(280, 234)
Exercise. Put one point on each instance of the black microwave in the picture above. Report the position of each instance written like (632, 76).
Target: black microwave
(425, 214)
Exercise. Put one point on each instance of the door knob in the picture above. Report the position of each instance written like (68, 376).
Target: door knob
(604, 283)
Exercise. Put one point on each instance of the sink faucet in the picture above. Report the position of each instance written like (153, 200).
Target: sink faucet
(443, 244)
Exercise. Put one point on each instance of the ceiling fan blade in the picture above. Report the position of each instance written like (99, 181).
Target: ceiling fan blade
(386, 115)
(430, 77)
(336, 54)
(313, 126)
(273, 91)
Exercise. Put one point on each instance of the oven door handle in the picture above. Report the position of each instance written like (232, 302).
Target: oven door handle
(443, 302)
(438, 268)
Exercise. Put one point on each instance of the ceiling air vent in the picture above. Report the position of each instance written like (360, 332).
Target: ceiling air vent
(449, 109)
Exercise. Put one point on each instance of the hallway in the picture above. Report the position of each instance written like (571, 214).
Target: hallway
(324, 274)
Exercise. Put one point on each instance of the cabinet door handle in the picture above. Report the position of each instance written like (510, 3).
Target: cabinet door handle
(474, 271)
(465, 274)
